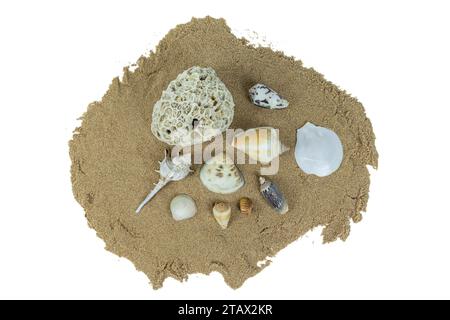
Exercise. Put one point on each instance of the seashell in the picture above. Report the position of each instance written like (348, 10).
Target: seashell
(265, 97)
(318, 150)
(245, 205)
(195, 107)
(182, 207)
(222, 213)
(261, 144)
(170, 169)
(220, 175)
(273, 195)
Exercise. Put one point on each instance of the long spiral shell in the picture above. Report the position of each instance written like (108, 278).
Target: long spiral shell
(170, 169)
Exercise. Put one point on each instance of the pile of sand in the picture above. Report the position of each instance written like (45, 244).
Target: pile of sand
(114, 156)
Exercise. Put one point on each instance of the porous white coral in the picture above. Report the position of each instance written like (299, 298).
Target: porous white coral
(194, 108)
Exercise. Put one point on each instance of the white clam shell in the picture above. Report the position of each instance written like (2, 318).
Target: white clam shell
(318, 150)
(222, 214)
(183, 207)
(261, 144)
(220, 175)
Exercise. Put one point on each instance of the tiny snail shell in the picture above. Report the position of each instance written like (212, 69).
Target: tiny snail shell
(222, 213)
(245, 205)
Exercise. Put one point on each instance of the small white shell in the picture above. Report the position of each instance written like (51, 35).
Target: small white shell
(261, 144)
(220, 175)
(222, 213)
(182, 207)
(265, 97)
(318, 150)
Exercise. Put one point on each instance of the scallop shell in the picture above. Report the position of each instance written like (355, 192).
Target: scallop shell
(318, 150)
(261, 144)
(220, 175)
(222, 213)
(273, 195)
(183, 207)
(245, 205)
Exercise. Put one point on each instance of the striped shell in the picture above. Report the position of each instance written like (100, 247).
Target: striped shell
(245, 205)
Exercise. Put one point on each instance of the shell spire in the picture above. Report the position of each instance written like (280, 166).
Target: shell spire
(158, 186)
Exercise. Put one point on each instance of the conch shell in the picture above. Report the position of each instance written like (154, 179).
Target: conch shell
(170, 169)
(261, 144)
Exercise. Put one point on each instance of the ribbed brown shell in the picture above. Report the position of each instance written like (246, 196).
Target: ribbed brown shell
(245, 205)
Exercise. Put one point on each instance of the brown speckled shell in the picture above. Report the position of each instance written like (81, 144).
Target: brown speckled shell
(245, 205)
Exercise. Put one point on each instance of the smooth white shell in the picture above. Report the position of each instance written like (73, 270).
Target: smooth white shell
(318, 150)
(220, 175)
(182, 207)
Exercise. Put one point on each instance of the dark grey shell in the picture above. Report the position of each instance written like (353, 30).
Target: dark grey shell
(273, 195)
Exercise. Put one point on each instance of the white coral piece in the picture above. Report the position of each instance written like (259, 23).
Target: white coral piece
(194, 108)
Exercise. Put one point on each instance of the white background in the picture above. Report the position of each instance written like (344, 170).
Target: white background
(56, 57)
